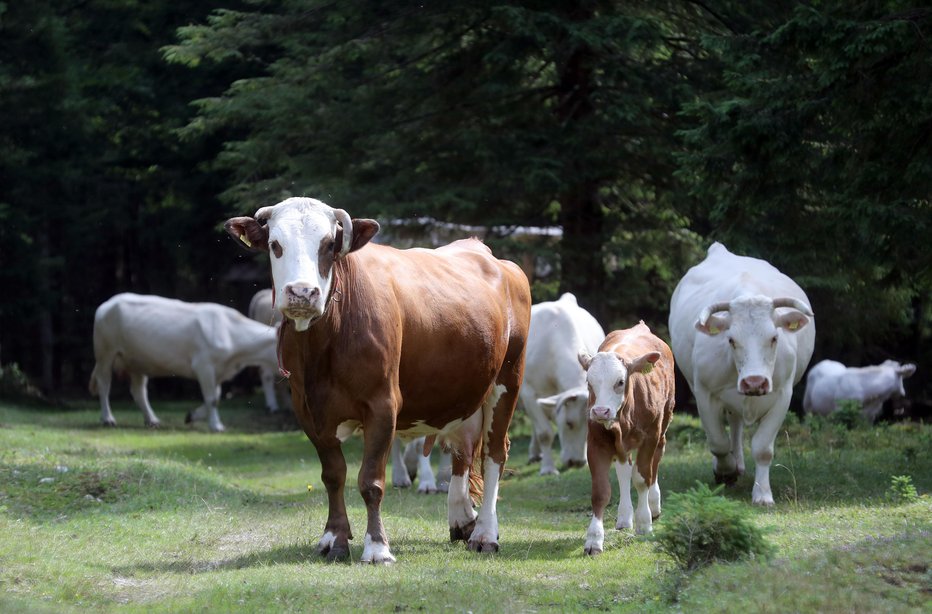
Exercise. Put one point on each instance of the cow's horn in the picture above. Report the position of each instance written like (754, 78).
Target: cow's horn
(345, 221)
(715, 308)
(795, 303)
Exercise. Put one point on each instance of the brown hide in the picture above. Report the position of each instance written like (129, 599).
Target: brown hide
(643, 419)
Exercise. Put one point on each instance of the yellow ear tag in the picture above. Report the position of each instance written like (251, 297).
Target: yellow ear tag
(714, 330)
(647, 368)
(245, 240)
(309, 488)
(793, 325)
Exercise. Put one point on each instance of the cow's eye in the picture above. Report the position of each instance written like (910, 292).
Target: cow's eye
(276, 248)
(773, 341)
(731, 342)
(620, 383)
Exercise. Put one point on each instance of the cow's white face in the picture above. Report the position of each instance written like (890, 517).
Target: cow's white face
(304, 238)
(900, 372)
(753, 330)
(607, 376)
(570, 409)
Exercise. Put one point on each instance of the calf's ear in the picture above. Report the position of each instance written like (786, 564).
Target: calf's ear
(248, 233)
(644, 364)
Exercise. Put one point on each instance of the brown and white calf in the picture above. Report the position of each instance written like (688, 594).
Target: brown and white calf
(418, 342)
(631, 399)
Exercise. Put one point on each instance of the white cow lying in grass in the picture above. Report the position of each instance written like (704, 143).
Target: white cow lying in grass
(554, 387)
(830, 382)
(261, 310)
(151, 336)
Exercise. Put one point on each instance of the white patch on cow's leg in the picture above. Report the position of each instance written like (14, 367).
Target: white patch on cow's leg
(426, 483)
(326, 542)
(103, 374)
(400, 478)
(625, 519)
(642, 518)
(137, 387)
(376, 552)
(595, 536)
(460, 513)
(653, 498)
(484, 537)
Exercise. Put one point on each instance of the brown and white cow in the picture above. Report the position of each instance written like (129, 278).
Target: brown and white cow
(418, 342)
(631, 397)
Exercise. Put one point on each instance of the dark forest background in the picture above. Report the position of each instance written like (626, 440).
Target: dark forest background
(798, 132)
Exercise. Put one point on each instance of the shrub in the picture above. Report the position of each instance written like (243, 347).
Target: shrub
(701, 527)
(15, 385)
(849, 413)
(902, 490)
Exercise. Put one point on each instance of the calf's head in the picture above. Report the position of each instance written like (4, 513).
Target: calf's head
(608, 377)
(305, 237)
(752, 328)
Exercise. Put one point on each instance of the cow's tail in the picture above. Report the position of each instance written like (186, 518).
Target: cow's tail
(92, 385)
(475, 474)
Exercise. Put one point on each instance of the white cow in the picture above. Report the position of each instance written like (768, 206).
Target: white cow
(151, 336)
(409, 462)
(830, 382)
(261, 310)
(554, 387)
(742, 335)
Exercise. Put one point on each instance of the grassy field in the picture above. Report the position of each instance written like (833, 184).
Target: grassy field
(178, 520)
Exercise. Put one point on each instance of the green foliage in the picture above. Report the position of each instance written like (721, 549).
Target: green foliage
(902, 490)
(848, 413)
(701, 527)
(15, 385)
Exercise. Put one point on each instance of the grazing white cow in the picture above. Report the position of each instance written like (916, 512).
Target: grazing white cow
(409, 461)
(261, 310)
(830, 382)
(554, 387)
(742, 334)
(151, 336)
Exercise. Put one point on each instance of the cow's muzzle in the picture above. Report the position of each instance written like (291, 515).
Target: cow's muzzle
(754, 386)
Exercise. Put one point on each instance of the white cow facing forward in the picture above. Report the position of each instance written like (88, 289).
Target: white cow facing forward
(151, 336)
(554, 387)
(742, 334)
(830, 382)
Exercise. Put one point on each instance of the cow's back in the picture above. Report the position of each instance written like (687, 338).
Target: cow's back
(446, 317)
(559, 329)
(652, 393)
(721, 277)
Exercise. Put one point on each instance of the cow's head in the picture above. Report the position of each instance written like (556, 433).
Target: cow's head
(304, 237)
(752, 326)
(608, 375)
(571, 412)
(901, 371)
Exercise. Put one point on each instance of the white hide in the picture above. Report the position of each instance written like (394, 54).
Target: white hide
(261, 310)
(408, 462)
(829, 382)
(151, 336)
(741, 364)
(298, 229)
(554, 387)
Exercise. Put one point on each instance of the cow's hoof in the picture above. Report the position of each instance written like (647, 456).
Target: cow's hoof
(574, 463)
(188, 418)
(461, 534)
(533, 459)
(592, 550)
(337, 553)
(483, 547)
(110, 422)
(728, 479)
(153, 424)
(427, 490)
(551, 471)
(654, 518)
(623, 525)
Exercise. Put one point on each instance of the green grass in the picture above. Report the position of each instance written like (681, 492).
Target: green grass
(181, 520)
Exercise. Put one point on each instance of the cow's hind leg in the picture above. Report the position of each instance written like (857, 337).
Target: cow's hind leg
(400, 477)
(460, 513)
(137, 386)
(210, 390)
(335, 541)
(103, 378)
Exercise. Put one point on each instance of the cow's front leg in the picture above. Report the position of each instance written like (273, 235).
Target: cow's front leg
(711, 413)
(400, 477)
(335, 541)
(599, 463)
(762, 449)
(378, 436)
(138, 388)
(460, 513)
(625, 517)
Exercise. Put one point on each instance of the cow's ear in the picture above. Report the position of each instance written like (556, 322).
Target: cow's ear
(584, 359)
(549, 402)
(793, 321)
(644, 364)
(714, 325)
(363, 231)
(248, 233)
